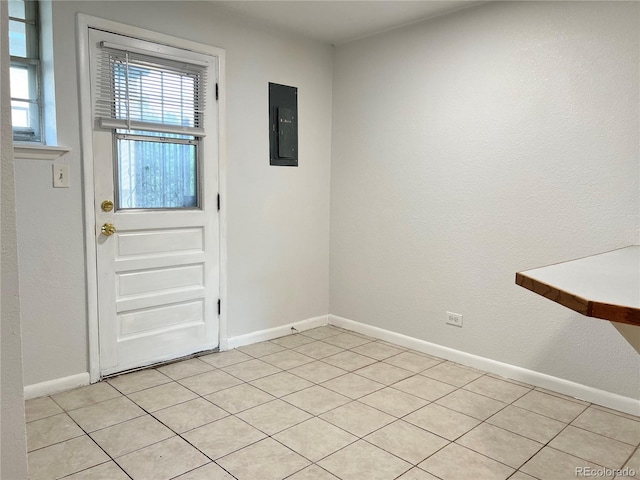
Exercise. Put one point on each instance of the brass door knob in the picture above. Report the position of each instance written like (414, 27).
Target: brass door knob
(107, 206)
(108, 229)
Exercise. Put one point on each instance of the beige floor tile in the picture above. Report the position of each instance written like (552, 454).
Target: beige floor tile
(561, 395)
(162, 461)
(47, 431)
(528, 424)
(239, 398)
(361, 460)
(442, 421)
(292, 341)
(384, 373)
(550, 406)
(210, 471)
(367, 337)
(407, 441)
(454, 462)
(210, 382)
(500, 445)
(551, 464)
(264, 460)
(395, 345)
(346, 340)
(318, 350)
(104, 471)
(281, 384)
(320, 333)
(316, 400)
(222, 437)
(357, 418)
(452, 373)
(472, 404)
(394, 402)
(162, 396)
(41, 407)
(510, 380)
(286, 359)
(317, 372)
(224, 359)
(609, 425)
(185, 368)
(424, 387)
(132, 435)
(251, 370)
(497, 389)
(592, 447)
(312, 472)
(633, 464)
(85, 396)
(314, 439)
(521, 476)
(136, 381)
(349, 360)
(417, 474)
(260, 349)
(273, 417)
(65, 458)
(105, 414)
(353, 386)
(189, 415)
(376, 350)
(412, 361)
(616, 412)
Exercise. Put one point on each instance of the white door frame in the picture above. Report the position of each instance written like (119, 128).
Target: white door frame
(83, 23)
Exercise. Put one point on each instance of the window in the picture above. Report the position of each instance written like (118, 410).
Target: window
(155, 106)
(24, 48)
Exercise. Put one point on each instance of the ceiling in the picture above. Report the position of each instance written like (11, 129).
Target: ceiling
(338, 22)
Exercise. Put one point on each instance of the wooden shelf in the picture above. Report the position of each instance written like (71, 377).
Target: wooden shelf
(605, 286)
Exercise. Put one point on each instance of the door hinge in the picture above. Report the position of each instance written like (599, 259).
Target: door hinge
(217, 91)
(219, 306)
(218, 202)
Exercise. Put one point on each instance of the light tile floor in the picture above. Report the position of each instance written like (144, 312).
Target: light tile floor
(324, 404)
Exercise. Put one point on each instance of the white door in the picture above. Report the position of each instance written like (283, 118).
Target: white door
(155, 146)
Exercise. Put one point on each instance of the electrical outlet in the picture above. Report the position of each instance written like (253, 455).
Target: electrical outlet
(454, 319)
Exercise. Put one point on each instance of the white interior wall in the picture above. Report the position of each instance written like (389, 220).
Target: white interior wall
(13, 456)
(278, 217)
(493, 140)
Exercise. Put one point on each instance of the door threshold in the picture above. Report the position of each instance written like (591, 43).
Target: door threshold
(161, 364)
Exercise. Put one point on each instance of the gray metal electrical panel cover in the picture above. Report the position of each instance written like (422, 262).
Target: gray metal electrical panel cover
(283, 125)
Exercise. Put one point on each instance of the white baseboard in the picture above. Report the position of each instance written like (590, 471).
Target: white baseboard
(566, 387)
(56, 386)
(275, 332)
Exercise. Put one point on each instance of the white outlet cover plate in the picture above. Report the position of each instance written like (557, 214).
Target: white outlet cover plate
(61, 175)
(454, 319)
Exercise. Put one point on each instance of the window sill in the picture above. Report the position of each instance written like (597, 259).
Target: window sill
(30, 151)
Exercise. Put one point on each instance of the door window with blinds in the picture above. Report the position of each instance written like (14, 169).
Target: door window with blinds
(155, 107)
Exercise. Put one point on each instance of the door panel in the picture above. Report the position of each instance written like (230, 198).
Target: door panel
(145, 320)
(154, 242)
(158, 274)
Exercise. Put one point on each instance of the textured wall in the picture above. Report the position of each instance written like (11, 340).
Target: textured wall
(13, 459)
(493, 140)
(278, 218)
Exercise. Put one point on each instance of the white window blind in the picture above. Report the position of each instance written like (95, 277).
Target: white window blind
(137, 90)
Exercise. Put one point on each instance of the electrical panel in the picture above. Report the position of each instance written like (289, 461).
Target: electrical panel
(283, 125)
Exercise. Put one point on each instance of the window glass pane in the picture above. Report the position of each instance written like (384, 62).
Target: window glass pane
(20, 114)
(16, 9)
(23, 82)
(154, 174)
(17, 39)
